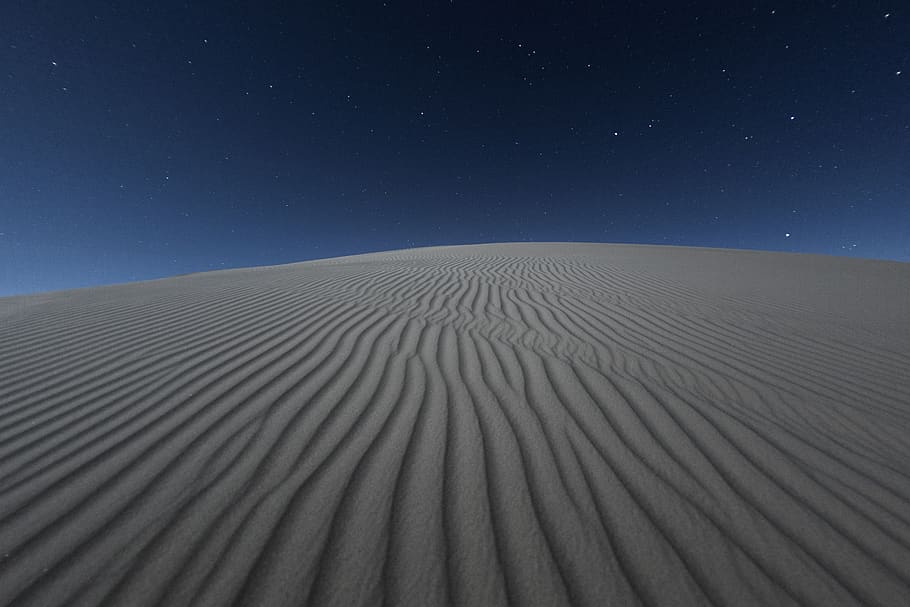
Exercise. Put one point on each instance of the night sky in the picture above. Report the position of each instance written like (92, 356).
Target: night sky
(141, 140)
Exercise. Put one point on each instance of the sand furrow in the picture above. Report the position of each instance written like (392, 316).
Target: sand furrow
(103, 410)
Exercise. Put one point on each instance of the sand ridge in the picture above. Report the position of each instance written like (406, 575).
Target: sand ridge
(524, 424)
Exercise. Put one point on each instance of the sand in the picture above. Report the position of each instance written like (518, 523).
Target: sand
(517, 424)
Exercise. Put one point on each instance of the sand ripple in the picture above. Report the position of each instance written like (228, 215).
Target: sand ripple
(489, 425)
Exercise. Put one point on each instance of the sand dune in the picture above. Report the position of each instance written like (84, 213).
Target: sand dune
(549, 424)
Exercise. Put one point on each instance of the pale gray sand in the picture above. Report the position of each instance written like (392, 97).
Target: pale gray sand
(551, 424)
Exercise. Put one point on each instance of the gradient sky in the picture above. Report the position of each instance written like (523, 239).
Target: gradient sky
(140, 140)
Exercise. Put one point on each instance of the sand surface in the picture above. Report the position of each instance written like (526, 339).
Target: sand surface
(550, 424)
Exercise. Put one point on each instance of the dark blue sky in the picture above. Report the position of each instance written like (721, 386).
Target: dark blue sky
(146, 141)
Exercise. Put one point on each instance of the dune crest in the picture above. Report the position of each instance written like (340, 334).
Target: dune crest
(518, 424)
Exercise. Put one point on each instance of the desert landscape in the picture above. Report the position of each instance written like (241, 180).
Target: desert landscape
(513, 424)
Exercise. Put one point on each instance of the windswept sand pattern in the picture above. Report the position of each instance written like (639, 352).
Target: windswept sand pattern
(485, 425)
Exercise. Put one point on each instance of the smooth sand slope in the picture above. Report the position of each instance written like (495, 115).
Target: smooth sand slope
(552, 424)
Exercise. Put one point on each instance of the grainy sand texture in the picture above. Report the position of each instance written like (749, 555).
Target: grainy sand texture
(517, 424)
